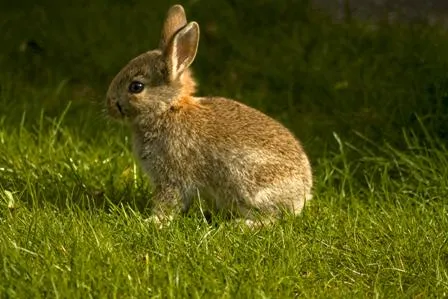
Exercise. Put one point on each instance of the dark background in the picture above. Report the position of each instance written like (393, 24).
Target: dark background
(397, 9)
(351, 68)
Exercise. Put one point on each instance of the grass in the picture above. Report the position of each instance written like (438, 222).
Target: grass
(369, 103)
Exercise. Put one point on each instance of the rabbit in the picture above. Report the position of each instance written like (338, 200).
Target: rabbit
(240, 161)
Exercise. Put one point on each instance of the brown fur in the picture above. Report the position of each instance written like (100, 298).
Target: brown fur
(175, 20)
(241, 160)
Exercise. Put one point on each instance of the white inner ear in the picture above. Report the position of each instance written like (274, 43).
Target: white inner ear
(183, 50)
(177, 68)
(174, 60)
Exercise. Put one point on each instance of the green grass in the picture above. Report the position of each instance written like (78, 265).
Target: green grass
(370, 105)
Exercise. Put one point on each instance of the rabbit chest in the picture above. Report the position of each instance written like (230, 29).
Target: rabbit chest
(169, 156)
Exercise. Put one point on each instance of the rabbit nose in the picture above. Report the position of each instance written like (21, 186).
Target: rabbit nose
(119, 108)
(115, 109)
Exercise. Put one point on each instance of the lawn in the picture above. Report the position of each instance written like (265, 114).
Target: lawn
(369, 102)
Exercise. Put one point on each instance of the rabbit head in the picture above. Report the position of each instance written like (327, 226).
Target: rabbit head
(149, 82)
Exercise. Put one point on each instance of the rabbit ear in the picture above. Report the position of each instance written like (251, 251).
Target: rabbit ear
(181, 51)
(175, 20)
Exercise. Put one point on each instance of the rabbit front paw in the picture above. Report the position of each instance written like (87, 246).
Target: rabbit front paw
(159, 221)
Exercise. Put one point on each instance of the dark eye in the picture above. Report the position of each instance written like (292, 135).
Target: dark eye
(136, 87)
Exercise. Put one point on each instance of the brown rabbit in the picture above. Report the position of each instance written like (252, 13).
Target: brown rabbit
(241, 161)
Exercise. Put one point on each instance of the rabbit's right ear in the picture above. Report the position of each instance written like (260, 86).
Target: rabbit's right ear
(181, 51)
(175, 20)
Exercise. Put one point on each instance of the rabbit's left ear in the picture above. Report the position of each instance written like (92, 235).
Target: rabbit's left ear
(181, 51)
(175, 20)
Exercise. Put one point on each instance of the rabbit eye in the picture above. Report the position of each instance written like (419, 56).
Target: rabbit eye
(136, 87)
